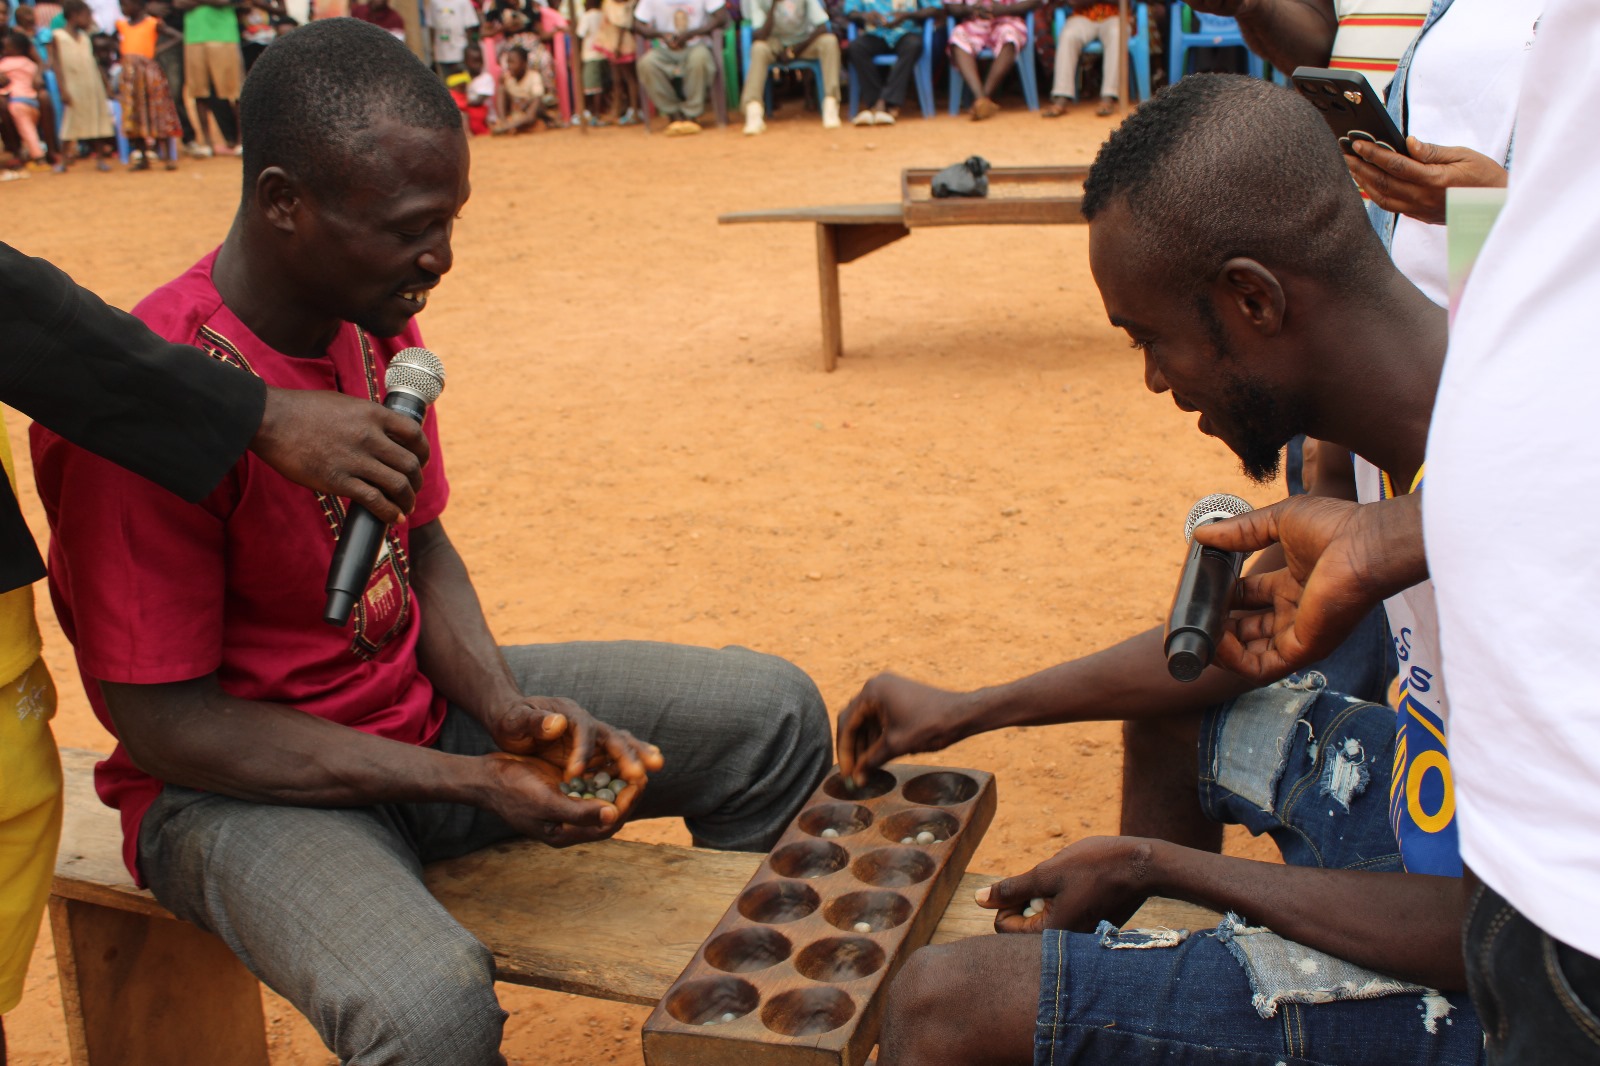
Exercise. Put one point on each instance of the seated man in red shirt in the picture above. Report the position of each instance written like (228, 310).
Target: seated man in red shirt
(281, 781)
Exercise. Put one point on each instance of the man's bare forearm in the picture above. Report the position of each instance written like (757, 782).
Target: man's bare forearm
(1125, 681)
(455, 650)
(1403, 925)
(193, 734)
(1290, 33)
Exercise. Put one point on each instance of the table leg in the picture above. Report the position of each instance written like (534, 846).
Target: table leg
(828, 289)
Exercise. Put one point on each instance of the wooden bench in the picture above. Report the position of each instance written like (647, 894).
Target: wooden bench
(847, 232)
(140, 988)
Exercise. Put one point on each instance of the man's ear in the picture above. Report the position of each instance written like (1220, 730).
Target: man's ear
(279, 200)
(1253, 292)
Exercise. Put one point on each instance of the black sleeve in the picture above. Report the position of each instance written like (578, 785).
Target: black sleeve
(100, 378)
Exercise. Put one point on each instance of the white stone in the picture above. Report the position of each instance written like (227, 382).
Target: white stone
(863, 927)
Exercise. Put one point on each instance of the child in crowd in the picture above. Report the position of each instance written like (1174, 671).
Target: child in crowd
(618, 44)
(990, 26)
(453, 22)
(258, 27)
(149, 119)
(477, 92)
(594, 64)
(82, 84)
(519, 99)
(23, 82)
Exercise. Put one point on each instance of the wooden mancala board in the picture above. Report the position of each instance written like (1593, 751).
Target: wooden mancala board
(796, 970)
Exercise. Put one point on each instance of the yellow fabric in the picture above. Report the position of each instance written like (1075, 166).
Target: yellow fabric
(30, 820)
(19, 634)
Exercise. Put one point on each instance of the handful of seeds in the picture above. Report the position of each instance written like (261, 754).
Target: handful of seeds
(596, 786)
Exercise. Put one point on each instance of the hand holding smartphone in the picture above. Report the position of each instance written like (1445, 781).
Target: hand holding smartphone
(1354, 110)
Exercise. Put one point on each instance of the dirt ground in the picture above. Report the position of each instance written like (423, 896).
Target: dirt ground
(641, 445)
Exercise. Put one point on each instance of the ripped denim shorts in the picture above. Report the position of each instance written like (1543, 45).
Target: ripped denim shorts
(1312, 769)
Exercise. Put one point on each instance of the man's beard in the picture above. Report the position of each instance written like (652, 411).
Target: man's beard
(1257, 427)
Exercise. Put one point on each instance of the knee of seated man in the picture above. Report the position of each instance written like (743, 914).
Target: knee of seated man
(793, 703)
(443, 1011)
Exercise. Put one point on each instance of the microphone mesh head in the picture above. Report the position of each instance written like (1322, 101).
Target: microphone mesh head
(1217, 505)
(417, 371)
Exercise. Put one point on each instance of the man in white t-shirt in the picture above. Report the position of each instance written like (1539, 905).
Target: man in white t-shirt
(1265, 331)
(677, 73)
(1513, 529)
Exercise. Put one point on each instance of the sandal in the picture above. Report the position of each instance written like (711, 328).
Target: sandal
(1055, 108)
(1107, 108)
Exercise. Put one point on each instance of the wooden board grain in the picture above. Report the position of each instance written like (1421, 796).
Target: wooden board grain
(807, 987)
(1035, 196)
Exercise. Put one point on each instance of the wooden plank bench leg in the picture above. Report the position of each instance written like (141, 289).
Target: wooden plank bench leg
(139, 990)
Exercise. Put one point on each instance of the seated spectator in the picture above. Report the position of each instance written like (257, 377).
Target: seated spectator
(476, 97)
(519, 98)
(983, 28)
(782, 31)
(888, 27)
(678, 73)
(1090, 20)
(512, 27)
(381, 15)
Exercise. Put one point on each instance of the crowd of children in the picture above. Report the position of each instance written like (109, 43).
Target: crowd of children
(75, 80)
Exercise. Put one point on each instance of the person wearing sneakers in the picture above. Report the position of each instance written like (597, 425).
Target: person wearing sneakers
(1090, 20)
(782, 31)
(677, 72)
(213, 65)
(888, 27)
(995, 26)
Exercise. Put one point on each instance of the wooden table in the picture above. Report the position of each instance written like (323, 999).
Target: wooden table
(847, 232)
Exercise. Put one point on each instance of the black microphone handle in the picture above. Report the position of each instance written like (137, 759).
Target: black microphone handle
(1199, 609)
(361, 538)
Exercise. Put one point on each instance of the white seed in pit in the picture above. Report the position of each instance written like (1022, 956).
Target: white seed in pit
(830, 832)
(925, 837)
(863, 927)
(908, 840)
(730, 1016)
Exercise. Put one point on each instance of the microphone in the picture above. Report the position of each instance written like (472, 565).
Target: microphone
(1205, 591)
(415, 379)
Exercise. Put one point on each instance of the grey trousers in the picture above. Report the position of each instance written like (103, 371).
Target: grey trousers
(1077, 32)
(695, 66)
(327, 906)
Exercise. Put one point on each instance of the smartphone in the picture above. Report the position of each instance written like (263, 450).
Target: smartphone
(1353, 109)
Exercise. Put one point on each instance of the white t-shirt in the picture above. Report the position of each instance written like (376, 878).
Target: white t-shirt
(1374, 34)
(1462, 90)
(1512, 508)
(1422, 798)
(450, 21)
(675, 16)
(588, 29)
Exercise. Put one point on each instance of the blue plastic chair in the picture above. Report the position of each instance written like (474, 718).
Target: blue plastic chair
(923, 76)
(1138, 45)
(1027, 70)
(813, 65)
(1211, 31)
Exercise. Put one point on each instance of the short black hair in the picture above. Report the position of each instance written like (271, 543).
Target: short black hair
(73, 7)
(16, 39)
(1221, 165)
(312, 98)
